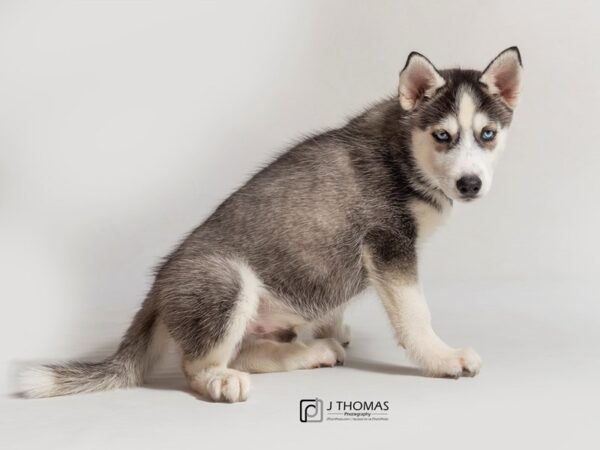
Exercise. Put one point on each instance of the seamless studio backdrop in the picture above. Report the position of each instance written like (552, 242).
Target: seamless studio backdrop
(124, 124)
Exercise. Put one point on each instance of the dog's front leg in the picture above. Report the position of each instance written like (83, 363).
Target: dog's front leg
(403, 298)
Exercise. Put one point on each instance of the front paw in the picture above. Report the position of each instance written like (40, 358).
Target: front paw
(453, 364)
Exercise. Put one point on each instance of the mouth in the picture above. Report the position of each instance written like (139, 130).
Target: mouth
(468, 198)
(453, 194)
(451, 191)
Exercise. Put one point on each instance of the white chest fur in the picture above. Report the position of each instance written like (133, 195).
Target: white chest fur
(428, 218)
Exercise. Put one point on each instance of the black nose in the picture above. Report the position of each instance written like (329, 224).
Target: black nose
(469, 185)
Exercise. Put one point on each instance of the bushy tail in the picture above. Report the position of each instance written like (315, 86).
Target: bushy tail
(126, 368)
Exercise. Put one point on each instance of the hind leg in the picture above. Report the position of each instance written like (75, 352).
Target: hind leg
(209, 324)
(332, 326)
(210, 377)
(265, 355)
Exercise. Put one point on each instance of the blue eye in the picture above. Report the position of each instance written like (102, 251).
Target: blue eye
(441, 136)
(488, 135)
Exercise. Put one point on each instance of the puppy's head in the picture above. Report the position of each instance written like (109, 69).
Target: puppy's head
(459, 120)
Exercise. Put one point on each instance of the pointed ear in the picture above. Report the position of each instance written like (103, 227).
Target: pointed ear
(503, 76)
(418, 80)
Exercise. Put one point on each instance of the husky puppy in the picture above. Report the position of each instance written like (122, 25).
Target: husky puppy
(284, 254)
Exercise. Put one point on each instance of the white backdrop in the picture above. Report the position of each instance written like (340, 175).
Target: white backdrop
(123, 124)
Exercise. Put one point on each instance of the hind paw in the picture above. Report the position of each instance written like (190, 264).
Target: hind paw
(325, 353)
(222, 385)
(344, 336)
